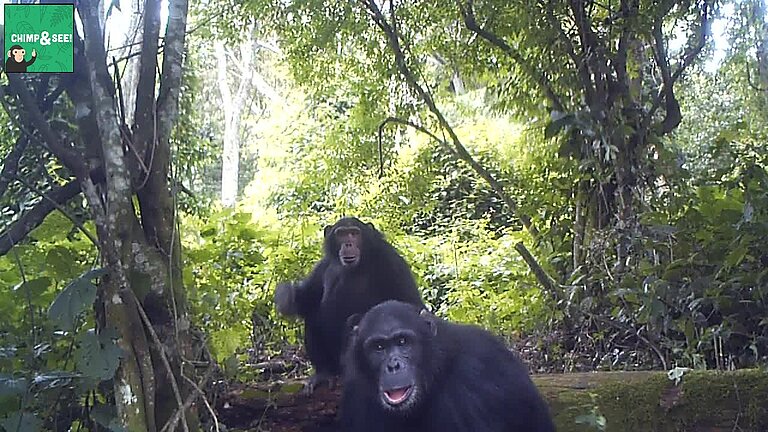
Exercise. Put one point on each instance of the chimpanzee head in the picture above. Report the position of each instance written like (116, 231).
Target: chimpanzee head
(392, 347)
(17, 53)
(350, 239)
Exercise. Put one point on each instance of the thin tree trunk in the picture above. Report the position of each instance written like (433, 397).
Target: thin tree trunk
(233, 110)
(762, 45)
(131, 44)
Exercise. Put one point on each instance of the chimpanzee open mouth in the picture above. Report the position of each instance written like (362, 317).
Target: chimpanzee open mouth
(397, 396)
(349, 260)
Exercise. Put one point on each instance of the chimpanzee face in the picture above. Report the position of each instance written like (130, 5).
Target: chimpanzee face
(395, 348)
(350, 241)
(18, 54)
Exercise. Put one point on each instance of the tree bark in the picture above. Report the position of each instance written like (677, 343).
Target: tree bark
(151, 385)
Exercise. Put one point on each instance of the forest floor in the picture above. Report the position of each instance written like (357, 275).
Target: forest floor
(265, 407)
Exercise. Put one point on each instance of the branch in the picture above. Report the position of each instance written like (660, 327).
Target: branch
(170, 81)
(673, 116)
(60, 208)
(191, 398)
(144, 113)
(550, 285)
(11, 163)
(459, 149)
(593, 51)
(627, 10)
(67, 154)
(555, 23)
(33, 218)
(419, 128)
(470, 21)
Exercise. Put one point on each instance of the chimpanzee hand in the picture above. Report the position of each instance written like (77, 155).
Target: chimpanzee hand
(285, 299)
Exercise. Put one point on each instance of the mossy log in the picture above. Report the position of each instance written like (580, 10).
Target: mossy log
(703, 401)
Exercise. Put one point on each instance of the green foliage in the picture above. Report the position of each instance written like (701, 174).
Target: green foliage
(483, 281)
(50, 357)
(98, 355)
(232, 265)
(76, 298)
(22, 422)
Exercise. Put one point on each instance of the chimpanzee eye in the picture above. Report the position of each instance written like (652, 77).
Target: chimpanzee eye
(379, 346)
(401, 341)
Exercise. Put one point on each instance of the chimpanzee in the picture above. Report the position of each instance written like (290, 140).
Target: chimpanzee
(359, 270)
(406, 370)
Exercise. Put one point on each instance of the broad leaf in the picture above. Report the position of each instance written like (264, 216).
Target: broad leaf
(76, 297)
(10, 386)
(98, 355)
(106, 415)
(58, 260)
(22, 422)
(35, 287)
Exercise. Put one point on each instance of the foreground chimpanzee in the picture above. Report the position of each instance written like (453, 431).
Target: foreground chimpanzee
(359, 270)
(406, 370)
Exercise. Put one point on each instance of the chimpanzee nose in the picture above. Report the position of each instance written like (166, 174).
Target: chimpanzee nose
(394, 365)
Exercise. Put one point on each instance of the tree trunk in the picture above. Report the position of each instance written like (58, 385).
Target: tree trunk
(124, 178)
(233, 109)
(130, 47)
(761, 28)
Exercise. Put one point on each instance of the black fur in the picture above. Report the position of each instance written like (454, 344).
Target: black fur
(465, 379)
(332, 293)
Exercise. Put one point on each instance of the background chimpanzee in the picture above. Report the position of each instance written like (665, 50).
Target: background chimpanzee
(359, 270)
(409, 371)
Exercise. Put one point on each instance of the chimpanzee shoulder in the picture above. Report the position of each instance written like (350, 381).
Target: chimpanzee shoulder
(485, 386)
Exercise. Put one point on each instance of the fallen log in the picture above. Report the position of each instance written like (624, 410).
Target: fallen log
(702, 401)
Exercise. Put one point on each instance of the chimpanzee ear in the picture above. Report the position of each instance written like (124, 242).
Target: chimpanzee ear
(327, 230)
(370, 225)
(353, 321)
(431, 321)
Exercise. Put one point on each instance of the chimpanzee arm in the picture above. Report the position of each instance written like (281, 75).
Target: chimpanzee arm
(302, 298)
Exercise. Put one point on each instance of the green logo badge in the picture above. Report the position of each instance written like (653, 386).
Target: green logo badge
(39, 38)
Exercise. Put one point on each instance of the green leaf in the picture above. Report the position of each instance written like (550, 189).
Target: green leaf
(292, 388)
(59, 260)
(736, 256)
(22, 422)
(36, 287)
(208, 232)
(76, 297)
(225, 342)
(10, 386)
(593, 420)
(98, 355)
(106, 415)
(248, 234)
(243, 218)
(55, 225)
